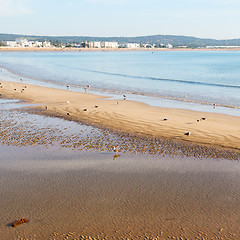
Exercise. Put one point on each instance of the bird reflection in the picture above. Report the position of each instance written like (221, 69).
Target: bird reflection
(116, 156)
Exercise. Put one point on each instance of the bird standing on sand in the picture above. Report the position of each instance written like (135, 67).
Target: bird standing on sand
(124, 97)
(115, 149)
(187, 133)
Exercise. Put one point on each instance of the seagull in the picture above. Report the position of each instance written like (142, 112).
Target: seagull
(187, 133)
(115, 149)
(68, 113)
(68, 102)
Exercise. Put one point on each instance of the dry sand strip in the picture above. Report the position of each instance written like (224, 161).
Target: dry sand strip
(130, 116)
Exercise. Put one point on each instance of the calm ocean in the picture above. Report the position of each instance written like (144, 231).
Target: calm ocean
(202, 77)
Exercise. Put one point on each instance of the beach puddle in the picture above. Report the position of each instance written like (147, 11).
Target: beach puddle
(11, 104)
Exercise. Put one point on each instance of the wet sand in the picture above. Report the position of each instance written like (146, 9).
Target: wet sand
(66, 194)
(125, 116)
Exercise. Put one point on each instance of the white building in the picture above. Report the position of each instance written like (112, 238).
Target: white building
(132, 45)
(27, 44)
(12, 44)
(95, 44)
(169, 46)
(109, 44)
(38, 44)
(46, 44)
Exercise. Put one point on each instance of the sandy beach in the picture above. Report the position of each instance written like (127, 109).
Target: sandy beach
(65, 178)
(125, 116)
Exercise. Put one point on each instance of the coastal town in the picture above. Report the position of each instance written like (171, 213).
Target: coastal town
(24, 43)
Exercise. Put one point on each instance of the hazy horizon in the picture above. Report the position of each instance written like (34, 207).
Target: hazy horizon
(116, 36)
(212, 19)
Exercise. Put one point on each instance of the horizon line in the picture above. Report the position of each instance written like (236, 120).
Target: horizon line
(34, 35)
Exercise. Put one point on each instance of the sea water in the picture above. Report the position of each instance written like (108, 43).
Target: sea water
(190, 77)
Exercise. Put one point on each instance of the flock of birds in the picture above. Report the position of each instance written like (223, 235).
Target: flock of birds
(96, 106)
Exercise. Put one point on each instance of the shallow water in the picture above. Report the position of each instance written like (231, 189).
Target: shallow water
(198, 76)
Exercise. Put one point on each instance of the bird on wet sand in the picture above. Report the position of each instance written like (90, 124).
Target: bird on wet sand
(115, 149)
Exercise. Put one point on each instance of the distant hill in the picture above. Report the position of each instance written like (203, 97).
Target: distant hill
(154, 39)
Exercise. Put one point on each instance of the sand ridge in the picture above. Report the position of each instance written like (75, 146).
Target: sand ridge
(130, 116)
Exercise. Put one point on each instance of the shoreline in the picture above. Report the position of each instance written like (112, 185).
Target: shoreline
(55, 49)
(124, 116)
(116, 94)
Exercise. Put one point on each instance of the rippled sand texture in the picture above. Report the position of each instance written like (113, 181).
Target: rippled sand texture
(22, 129)
(67, 194)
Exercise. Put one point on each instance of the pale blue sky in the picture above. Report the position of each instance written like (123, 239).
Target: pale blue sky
(201, 18)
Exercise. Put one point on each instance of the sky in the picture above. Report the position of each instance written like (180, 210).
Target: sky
(219, 19)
